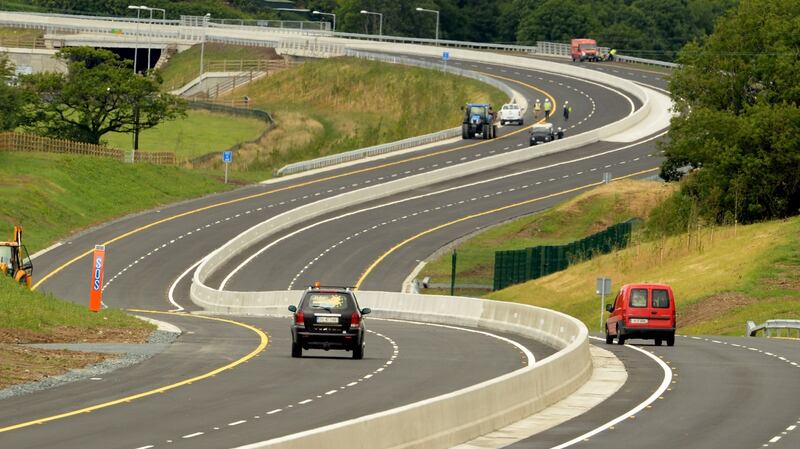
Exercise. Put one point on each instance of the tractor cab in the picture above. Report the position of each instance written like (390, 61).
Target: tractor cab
(478, 119)
(14, 259)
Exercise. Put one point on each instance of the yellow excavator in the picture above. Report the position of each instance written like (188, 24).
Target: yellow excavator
(14, 259)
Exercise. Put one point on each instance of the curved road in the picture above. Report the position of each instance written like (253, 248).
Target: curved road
(721, 398)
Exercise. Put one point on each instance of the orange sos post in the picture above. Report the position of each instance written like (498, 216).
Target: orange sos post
(98, 269)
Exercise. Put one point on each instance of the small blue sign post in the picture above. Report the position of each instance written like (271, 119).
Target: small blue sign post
(227, 158)
(445, 57)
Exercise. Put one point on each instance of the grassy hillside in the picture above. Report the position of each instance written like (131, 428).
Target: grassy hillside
(722, 277)
(328, 106)
(583, 215)
(52, 196)
(185, 66)
(200, 132)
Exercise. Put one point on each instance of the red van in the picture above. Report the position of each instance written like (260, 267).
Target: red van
(642, 311)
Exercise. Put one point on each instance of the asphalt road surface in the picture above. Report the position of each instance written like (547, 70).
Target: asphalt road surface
(724, 396)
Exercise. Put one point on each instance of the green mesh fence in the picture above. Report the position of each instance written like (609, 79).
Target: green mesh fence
(517, 266)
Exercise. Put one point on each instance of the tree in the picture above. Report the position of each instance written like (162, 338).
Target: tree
(739, 128)
(99, 94)
(11, 98)
(558, 21)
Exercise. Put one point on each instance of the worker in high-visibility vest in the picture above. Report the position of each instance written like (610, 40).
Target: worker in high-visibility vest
(548, 108)
(537, 108)
(612, 54)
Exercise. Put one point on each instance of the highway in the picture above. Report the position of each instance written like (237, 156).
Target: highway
(224, 384)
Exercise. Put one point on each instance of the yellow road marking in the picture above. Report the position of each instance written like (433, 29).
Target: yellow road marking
(264, 340)
(481, 214)
(288, 187)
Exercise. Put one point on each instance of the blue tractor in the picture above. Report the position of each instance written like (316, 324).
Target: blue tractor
(478, 119)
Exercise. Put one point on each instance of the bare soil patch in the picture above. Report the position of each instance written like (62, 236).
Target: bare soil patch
(712, 307)
(71, 334)
(20, 364)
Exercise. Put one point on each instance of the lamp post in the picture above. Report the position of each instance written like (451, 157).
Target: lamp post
(136, 51)
(380, 24)
(150, 45)
(203, 42)
(437, 21)
(327, 14)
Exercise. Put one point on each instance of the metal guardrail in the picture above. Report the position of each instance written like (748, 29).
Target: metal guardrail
(400, 144)
(653, 62)
(773, 325)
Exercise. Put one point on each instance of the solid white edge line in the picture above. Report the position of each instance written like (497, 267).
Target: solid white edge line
(338, 217)
(523, 349)
(171, 294)
(659, 391)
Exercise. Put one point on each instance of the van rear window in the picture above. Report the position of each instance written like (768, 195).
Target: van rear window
(639, 297)
(661, 299)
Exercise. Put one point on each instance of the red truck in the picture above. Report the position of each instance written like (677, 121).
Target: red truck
(584, 50)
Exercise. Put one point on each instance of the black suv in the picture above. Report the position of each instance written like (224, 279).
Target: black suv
(328, 318)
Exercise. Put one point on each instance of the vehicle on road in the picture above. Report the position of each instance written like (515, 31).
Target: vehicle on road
(644, 311)
(328, 318)
(511, 112)
(542, 133)
(478, 119)
(584, 50)
(14, 259)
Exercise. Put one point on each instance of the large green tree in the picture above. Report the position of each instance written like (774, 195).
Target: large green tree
(11, 98)
(738, 94)
(99, 94)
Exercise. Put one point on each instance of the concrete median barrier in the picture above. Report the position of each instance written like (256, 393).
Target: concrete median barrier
(453, 418)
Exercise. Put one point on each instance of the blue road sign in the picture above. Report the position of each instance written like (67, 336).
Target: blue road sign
(227, 157)
(445, 55)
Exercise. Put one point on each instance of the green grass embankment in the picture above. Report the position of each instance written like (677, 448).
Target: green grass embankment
(329, 106)
(185, 66)
(584, 215)
(53, 196)
(722, 276)
(43, 314)
(198, 133)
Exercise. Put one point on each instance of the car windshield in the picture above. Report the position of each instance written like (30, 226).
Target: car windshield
(510, 106)
(587, 46)
(328, 301)
(540, 133)
(639, 297)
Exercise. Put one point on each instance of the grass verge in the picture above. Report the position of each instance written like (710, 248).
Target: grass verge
(53, 195)
(185, 66)
(583, 215)
(199, 133)
(32, 317)
(329, 106)
(722, 276)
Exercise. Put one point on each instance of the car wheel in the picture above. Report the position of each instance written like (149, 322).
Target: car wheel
(358, 352)
(609, 337)
(297, 350)
(671, 340)
(658, 342)
(620, 337)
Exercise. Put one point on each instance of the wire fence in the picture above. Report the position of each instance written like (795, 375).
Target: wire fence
(521, 265)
